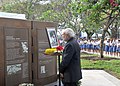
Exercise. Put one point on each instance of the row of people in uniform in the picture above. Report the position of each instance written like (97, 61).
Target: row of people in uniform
(111, 46)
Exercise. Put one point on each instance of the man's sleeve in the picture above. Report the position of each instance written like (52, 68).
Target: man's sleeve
(67, 56)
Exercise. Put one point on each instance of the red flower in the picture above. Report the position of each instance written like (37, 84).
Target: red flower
(113, 3)
(59, 48)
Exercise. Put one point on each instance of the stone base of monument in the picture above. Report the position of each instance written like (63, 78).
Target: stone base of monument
(26, 84)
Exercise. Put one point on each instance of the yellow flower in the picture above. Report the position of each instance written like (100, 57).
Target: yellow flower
(50, 50)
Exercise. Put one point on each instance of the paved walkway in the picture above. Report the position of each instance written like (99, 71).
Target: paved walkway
(95, 78)
(99, 78)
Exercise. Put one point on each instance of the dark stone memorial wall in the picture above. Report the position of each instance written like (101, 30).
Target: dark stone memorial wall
(16, 42)
(22, 58)
(15, 52)
(2, 70)
(46, 69)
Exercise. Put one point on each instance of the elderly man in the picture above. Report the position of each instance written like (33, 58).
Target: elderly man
(70, 67)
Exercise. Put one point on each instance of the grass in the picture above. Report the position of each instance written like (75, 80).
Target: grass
(88, 55)
(111, 66)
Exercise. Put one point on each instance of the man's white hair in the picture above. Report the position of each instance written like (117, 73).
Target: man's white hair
(69, 31)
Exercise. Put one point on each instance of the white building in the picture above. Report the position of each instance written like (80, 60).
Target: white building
(12, 15)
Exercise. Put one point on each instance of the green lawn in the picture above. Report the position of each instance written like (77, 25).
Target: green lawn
(111, 66)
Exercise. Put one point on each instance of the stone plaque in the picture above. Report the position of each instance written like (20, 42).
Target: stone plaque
(46, 64)
(16, 46)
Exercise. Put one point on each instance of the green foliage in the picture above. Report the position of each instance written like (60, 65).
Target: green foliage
(100, 14)
(18, 7)
(30, 8)
(92, 14)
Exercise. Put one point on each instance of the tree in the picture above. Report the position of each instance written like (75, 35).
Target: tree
(31, 8)
(102, 13)
(114, 29)
(65, 12)
(68, 13)
(86, 15)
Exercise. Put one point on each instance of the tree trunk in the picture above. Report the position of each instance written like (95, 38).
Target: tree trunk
(89, 34)
(114, 31)
(102, 43)
(110, 21)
